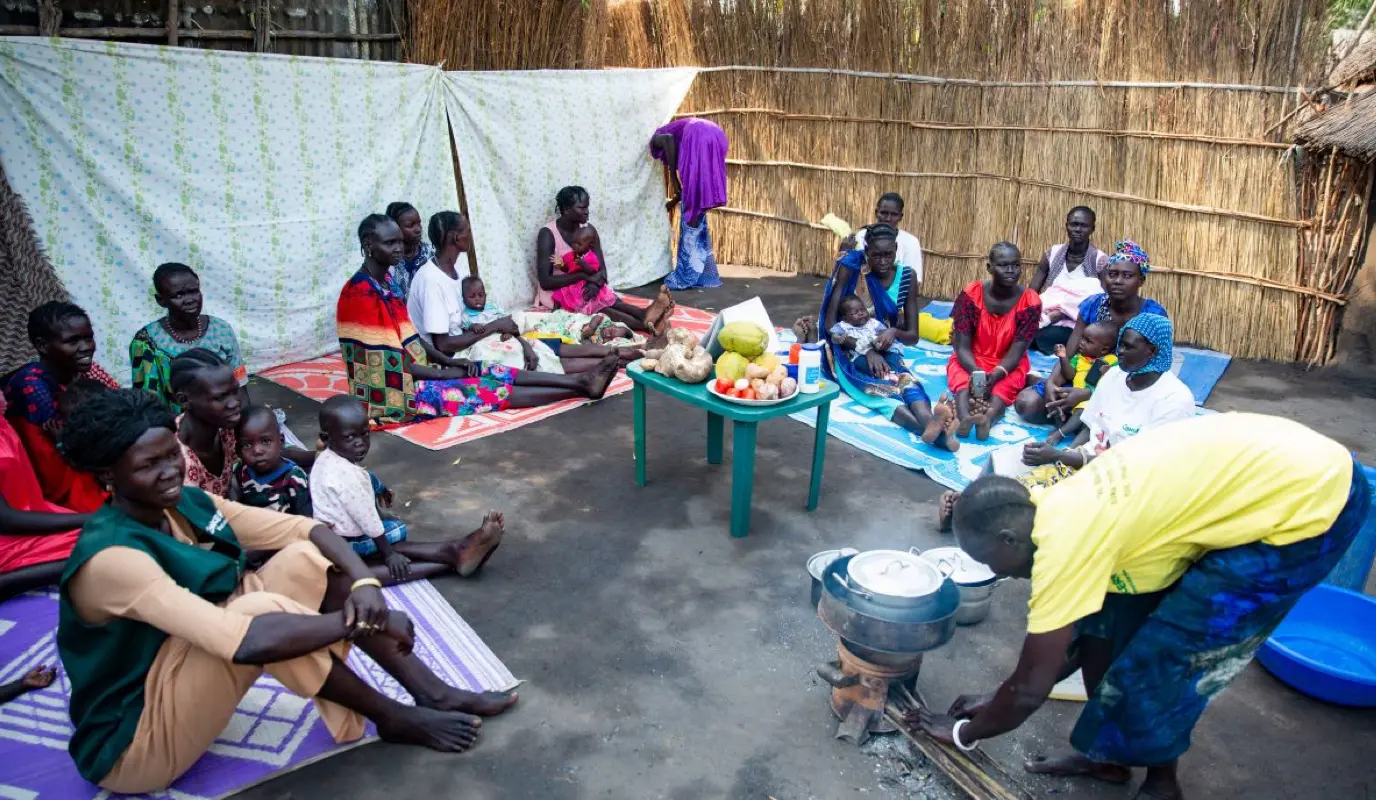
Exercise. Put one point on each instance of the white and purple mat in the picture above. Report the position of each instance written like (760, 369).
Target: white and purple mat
(272, 732)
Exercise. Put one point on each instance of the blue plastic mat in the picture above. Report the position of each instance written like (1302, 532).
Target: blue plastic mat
(862, 428)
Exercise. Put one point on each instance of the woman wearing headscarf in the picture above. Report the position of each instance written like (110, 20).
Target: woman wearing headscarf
(162, 628)
(694, 155)
(1120, 301)
(1138, 395)
(1158, 572)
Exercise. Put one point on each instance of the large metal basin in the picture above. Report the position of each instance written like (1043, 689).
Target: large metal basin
(925, 624)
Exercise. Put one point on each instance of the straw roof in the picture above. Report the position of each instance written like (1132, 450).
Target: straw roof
(1350, 126)
(1358, 67)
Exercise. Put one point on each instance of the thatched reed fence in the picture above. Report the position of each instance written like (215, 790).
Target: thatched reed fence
(992, 118)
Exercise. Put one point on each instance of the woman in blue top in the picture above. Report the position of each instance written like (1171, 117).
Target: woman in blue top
(893, 290)
(1119, 302)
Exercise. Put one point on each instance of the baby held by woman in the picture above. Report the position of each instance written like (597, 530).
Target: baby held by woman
(857, 333)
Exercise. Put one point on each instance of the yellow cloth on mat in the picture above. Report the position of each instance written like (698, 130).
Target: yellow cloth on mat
(1140, 514)
(933, 329)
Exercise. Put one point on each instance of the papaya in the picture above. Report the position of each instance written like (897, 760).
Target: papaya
(731, 365)
(745, 338)
(769, 361)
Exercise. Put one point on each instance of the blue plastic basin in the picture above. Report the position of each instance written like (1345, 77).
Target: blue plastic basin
(1326, 647)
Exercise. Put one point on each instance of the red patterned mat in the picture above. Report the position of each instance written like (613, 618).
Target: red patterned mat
(324, 377)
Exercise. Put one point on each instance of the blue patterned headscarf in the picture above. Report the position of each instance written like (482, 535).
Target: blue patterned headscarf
(1157, 330)
(1132, 253)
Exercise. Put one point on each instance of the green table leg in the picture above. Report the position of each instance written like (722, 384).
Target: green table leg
(819, 453)
(742, 475)
(716, 425)
(638, 403)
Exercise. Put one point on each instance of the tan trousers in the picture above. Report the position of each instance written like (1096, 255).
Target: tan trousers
(190, 695)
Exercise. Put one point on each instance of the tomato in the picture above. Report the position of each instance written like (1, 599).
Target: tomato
(748, 394)
(724, 385)
(733, 392)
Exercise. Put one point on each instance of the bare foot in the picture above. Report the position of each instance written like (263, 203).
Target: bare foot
(1159, 789)
(806, 330)
(597, 379)
(948, 438)
(658, 312)
(445, 731)
(982, 426)
(946, 509)
(449, 698)
(1076, 765)
(941, 416)
(478, 546)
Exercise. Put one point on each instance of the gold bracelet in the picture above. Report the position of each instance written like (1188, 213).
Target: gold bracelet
(364, 582)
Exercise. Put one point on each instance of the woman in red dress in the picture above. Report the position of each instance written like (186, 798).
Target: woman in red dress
(995, 322)
(40, 395)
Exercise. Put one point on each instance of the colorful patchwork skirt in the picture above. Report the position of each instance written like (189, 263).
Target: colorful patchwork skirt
(460, 397)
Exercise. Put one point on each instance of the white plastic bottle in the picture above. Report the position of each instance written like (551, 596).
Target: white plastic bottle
(810, 368)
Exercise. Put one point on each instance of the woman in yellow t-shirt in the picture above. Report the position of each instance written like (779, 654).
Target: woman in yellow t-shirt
(1157, 570)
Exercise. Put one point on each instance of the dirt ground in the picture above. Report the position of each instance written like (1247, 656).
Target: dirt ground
(664, 659)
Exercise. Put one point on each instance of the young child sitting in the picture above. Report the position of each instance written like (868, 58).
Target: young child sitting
(505, 348)
(1083, 370)
(263, 478)
(345, 497)
(855, 333)
(582, 297)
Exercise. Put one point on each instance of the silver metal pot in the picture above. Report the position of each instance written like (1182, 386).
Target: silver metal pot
(817, 564)
(925, 624)
(975, 581)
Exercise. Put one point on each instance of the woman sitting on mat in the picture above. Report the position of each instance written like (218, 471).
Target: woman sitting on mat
(162, 628)
(1067, 275)
(415, 251)
(40, 395)
(1138, 395)
(1158, 573)
(400, 377)
(211, 401)
(442, 307)
(178, 289)
(36, 536)
(552, 242)
(892, 289)
(694, 155)
(995, 322)
(1119, 302)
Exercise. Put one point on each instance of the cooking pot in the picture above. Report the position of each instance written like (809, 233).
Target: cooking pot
(975, 580)
(819, 562)
(922, 624)
(892, 577)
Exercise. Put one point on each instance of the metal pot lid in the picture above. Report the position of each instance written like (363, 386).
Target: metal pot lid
(895, 573)
(817, 563)
(965, 569)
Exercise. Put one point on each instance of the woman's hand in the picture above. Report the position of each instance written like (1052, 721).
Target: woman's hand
(399, 565)
(886, 338)
(590, 290)
(968, 705)
(532, 361)
(1056, 315)
(479, 328)
(1066, 399)
(878, 367)
(365, 606)
(599, 278)
(1035, 454)
(386, 497)
(847, 244)
(468, 369)
(937, 726)
(400, 628)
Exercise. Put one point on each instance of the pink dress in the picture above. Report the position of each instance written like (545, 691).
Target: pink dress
(570, 298)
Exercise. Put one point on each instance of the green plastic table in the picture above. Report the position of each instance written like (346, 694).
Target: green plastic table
(744, 420)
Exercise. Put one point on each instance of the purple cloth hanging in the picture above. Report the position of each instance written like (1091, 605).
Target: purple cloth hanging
(702, 149)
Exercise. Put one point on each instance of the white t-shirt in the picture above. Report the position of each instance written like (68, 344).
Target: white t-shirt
(1115, 412)
(909, 251)
(435, 302)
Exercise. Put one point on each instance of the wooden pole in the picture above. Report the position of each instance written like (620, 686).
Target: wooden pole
(174, 19)
(194, 33)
